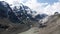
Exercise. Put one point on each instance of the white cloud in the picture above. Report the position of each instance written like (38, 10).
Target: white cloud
(43, 7)
(33, 4)
(53, 8)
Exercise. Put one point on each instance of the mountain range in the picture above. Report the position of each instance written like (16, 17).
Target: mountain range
(17, 19)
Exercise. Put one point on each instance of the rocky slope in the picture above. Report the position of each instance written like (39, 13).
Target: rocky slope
(53, 26)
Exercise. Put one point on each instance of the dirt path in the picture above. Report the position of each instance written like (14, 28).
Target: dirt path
(33, 30)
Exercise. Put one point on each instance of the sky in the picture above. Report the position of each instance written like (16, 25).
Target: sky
(48, 1)
(40, 6)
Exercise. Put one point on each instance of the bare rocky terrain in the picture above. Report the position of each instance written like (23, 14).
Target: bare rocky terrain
(53, 27)
(7, 27)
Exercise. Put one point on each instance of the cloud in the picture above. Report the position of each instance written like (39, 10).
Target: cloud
(33, 4)
(43, 7)
(53, 8)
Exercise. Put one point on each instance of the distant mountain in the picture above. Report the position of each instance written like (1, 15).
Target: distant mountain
(18, 14)
(40, 16)
(4, 9)
(25, 12)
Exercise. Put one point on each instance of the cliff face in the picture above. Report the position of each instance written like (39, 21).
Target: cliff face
(53, 25)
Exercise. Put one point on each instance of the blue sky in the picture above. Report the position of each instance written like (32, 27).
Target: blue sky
(48, 1)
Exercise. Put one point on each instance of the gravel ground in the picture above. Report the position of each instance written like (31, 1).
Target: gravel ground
(33, 30)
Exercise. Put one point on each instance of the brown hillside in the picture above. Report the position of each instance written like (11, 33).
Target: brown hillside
(53, 25)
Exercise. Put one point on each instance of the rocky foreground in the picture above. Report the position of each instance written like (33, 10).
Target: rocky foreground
(53, 27)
